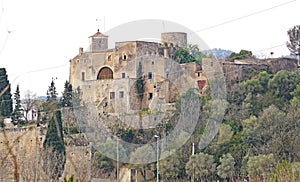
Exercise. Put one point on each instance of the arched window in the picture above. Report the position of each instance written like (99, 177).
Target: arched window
(105, 73)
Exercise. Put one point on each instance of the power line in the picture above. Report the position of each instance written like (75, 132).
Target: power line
(4, 43)
(245, 16)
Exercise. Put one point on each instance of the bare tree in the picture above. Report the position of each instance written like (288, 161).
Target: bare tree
(30, 101)
(294, 42)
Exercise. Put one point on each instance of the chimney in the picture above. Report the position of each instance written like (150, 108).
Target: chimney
(80, 51)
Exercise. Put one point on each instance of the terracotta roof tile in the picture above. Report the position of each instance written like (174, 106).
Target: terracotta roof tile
(98, 34)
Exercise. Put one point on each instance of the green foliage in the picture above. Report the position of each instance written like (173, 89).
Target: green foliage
(71, 129)
(17, 114)
(66, 100)
(285, 172)
(225, 134)
(226, 168)
(259, 167)
(171, 168)
(53, 147)
(51, 92)
(102, 162)
(294, 40)
(243, 54)
(189, 54)
(140, 82)
(5, 99)
(282, 86)
(201, 166)
(54, 137)
(71, 179)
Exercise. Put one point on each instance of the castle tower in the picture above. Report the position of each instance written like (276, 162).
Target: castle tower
(174, 39)
(98, 42)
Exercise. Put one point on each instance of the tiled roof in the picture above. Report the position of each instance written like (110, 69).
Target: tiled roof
(98, 34)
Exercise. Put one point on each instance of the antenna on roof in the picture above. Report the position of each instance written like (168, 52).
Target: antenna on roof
(98, 21)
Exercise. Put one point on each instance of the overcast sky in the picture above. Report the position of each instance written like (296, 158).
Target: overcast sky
(38, 38)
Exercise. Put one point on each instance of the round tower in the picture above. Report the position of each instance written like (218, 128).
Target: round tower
(174, 39)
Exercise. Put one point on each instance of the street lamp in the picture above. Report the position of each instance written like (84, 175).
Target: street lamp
(157, 164)
(118, 165)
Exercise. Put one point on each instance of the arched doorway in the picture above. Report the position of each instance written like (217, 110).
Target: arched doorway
(105, 73)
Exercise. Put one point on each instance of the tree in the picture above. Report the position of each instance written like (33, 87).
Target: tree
(282, 85)
(30, 101)
(243, 54)
(140, 82)
(259, 167)
(53, 148)
(225, 134)
(51, 92)
(18, 111)
(201, 166)
(5, 97)
(189, 54)
(226, 168)
(285, 172)
(51, 103)
(171, 168)
(66, 100)
(294, 43)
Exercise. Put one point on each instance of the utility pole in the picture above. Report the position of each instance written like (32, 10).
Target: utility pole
(157, 158)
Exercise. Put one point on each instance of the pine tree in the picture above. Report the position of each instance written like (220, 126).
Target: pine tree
(51, 92)
(66, 100)
(5, 99)
(18, 111)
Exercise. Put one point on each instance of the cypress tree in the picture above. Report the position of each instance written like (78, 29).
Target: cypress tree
(54, 148)
(51, 92)
(66, 100)
(140, 82)
(5, 99)
(18, 111)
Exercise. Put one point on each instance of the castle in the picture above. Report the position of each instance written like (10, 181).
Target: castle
(107, 77)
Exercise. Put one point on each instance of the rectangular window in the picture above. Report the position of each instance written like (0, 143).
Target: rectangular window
(121, 94)
(82, 76)
(123, 75)
(111, 95)
(150, 75)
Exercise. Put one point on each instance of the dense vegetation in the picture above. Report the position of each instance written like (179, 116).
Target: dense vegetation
(258, 139)
(259, 136)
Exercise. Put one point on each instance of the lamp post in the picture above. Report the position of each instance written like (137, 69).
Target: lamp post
(157, 159)
(118, 158)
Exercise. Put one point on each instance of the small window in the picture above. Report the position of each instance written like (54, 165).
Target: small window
(152, 62)
(111, 95)
(124, 56)
(150, 96)
(150, 75)
(82, 76)
(198, 74)
(123, 75)
(121, 94)
(211, 64)
(109, 58)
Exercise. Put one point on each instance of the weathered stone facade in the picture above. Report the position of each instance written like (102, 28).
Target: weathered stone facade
(107, 77)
